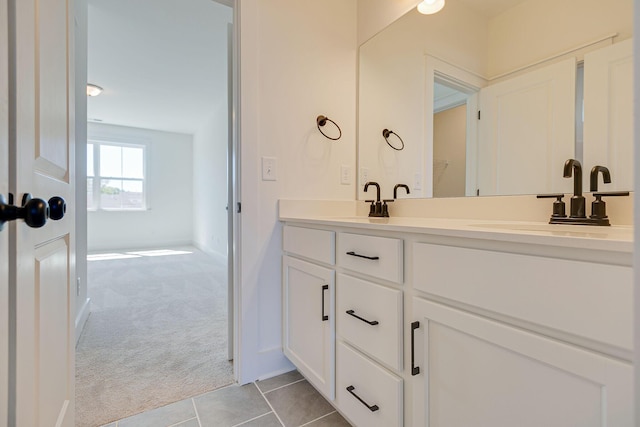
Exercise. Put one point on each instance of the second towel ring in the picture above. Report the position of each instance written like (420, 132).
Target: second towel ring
(386, 133)
(321, 121)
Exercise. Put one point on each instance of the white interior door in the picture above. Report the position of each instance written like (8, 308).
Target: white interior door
(4, 234)
(42, 271)
(608, 112)
(527, 131)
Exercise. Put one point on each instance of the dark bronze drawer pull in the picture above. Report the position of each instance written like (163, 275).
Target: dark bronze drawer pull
(373, 408)
(363, 256)
(324, 316)
(415, 370)
(370, 322)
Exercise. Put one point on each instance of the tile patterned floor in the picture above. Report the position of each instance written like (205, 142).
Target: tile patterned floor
(287, 400)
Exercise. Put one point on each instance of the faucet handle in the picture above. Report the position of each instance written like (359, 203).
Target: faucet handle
(372, 207)
(385, 207)
(558, 206)
(598, 206)
(611, 194)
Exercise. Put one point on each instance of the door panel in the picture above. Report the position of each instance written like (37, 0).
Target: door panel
(527, 131)
(309, 322)
(44, 269)
(51, 288)
(503, 376)
(608, 113)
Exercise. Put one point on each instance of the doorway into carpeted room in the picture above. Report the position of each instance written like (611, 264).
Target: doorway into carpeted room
(157, 332)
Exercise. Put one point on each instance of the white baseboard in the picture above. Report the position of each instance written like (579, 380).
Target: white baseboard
(81, 318)
(289, 368)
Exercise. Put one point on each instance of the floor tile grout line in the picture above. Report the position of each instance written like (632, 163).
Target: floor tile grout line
(319, 418)
(182, 422)
(253, 419)
(269, 403)
(195, 408)
(283, 386)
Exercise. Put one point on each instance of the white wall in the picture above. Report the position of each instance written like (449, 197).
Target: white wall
(516, 39)
(168, 219)
(298, 60)
(374, 15)
(210, 182)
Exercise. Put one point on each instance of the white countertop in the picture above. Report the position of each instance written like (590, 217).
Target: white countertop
(611, 238)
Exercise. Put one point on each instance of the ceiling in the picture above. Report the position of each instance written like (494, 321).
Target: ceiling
(162, 63)
(490, 8)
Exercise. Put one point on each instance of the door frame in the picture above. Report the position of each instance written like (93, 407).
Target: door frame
(233, 174)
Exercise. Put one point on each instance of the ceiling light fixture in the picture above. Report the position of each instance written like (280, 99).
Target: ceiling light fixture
(93, 90)
(428, 7)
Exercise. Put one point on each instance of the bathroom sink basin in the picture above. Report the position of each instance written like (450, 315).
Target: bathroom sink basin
(562, 230)
(364, 219)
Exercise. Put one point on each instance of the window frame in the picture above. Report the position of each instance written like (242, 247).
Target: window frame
(97, 177)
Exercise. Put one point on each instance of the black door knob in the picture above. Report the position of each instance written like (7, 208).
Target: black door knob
(57, 208)
(34, 211)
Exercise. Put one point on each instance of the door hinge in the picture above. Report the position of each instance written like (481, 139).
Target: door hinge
(478, 114)
(239, 207)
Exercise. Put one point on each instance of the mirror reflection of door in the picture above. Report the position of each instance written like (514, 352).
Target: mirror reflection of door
(454, 136)
(449, 141)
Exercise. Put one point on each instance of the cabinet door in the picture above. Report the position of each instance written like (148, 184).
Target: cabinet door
(309, 322)
(479, 372)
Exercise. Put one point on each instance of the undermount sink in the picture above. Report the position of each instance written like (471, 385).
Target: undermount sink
(564, 230)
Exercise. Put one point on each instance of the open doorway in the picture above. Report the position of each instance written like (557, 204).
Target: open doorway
(157, 190)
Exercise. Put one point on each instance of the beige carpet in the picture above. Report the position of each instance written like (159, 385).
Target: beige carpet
(157, 334)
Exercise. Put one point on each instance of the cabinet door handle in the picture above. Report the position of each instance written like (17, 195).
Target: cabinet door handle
(324, 316)
(373, 408)
(415, 370)
(370, 322)
(363, 256)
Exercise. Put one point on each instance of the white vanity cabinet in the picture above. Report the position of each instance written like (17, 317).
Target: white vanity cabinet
(309, 308)
(440, 325)
(509, 356)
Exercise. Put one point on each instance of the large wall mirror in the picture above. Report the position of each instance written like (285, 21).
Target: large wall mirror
(491, 97)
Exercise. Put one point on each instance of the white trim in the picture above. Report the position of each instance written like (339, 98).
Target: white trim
(82, 317)
(465, 82)
(636, 215)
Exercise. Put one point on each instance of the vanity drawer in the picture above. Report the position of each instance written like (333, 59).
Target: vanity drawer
(380, 391)
(318, 245)
(379, 257)
(371, 303)
(585, 299)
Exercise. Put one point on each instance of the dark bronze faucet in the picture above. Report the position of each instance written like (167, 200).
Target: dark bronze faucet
(395, 189)
(593, 178)
(377, 208)
(577, 209)
(598, 207)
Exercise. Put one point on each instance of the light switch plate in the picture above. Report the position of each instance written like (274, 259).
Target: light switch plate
(417, 181)
(364, 176)
(345, 174)
(269, 169)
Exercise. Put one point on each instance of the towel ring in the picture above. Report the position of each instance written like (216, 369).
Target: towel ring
(387, 133)
(321, 121)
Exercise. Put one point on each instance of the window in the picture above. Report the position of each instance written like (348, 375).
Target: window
(115, 176)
